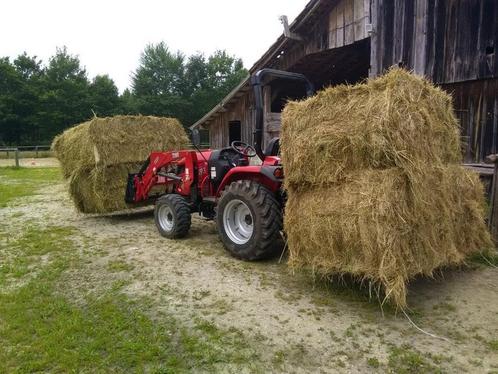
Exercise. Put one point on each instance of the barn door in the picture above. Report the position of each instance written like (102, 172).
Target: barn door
(234, 131)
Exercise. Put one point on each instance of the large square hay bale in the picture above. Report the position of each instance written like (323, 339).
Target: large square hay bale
(101, 189)
(395, 120)
(116, 140)
(386, 228)
(97, 156)
(374, 184)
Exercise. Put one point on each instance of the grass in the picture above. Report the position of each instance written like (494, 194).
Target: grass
(22, 182)
(373, 362)
(489, 259)
(118, 266)
(493, 345)
(405, 360)
(445, 307)
(43, 328)
(22, 257)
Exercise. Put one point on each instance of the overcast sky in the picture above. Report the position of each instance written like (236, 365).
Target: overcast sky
(108, 35)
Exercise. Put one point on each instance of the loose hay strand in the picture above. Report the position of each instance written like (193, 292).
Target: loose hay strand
(423, 331)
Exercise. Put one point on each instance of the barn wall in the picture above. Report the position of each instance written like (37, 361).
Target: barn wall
(445, 40)
(242, 110)
(336, 24)
(476, 107)
(347, 22)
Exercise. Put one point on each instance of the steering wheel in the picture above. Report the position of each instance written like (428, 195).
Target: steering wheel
(243, 149)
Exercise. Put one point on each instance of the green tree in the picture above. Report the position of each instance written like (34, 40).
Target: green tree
(128, 103)
(10, 84)
(158, 83)
(28, 67)
(19, 99)
(38, 102)
(66, 94)
(28, 97)
(225, 72)
(168, 84)
(104, 96)
(210, 80)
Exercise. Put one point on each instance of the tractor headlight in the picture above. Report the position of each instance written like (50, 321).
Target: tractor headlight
(278, 173)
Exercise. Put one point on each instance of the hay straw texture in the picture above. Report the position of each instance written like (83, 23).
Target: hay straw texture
(101, 189)
(395, 120)
(116, 140)
(383, 196)
(97, 156)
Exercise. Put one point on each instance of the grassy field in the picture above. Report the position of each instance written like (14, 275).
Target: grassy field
(43, 329)
(20, 182)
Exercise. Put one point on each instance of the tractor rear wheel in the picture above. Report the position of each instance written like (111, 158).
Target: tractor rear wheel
(249, 219)
(172, 216)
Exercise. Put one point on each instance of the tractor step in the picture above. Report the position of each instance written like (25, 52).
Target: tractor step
(209, 200)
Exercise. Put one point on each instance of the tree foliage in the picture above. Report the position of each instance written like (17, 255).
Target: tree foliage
(169, 84)
(39, 101)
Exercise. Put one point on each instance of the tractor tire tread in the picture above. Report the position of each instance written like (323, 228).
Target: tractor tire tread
(267, 207)
(183, 214)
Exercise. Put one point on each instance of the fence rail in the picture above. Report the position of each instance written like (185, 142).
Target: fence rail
(16, 152)
(19, 151)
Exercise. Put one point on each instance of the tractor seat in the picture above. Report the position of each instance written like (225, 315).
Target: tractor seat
(273, 147)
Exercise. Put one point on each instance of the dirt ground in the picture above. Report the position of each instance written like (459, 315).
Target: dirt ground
(297, 325)
(31, 162)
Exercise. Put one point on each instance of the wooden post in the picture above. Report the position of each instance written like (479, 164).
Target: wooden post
(493, 201)
(36, 151)
(17, 157)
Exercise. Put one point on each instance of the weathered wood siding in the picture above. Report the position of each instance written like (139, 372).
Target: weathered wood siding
(347, 22)
(243, 111)
(445, 40)
(476, 106)
(337, 23)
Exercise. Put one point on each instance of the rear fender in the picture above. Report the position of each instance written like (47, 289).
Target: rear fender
(261, 174)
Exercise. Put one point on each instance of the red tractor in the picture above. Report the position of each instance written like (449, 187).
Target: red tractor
(245, 200)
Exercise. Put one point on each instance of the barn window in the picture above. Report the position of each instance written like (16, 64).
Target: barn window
(234, 131)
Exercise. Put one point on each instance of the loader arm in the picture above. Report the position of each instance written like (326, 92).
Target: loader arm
(168, 169)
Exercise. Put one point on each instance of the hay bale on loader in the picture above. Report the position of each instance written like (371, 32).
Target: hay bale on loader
(96, 156)
(116, 140)
(101, 189)
(396, 120)
(383, 196)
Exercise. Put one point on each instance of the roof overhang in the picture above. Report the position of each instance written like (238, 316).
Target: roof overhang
(272, 53)
(221, 106)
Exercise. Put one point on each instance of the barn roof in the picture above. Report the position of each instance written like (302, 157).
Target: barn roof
(272, 54)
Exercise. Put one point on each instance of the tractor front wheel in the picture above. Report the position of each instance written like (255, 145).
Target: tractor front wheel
(172, 216)
(249, 220)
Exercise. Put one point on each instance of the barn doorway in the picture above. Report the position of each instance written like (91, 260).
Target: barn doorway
(234, 131)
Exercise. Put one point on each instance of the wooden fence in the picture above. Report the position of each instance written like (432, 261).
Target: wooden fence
(19, 152)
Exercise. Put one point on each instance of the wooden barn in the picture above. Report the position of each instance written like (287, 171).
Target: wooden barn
(452, 42)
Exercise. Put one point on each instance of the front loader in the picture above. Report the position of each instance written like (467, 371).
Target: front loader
(246, 201)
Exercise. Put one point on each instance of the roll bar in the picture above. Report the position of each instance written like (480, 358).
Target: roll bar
(257, 82)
